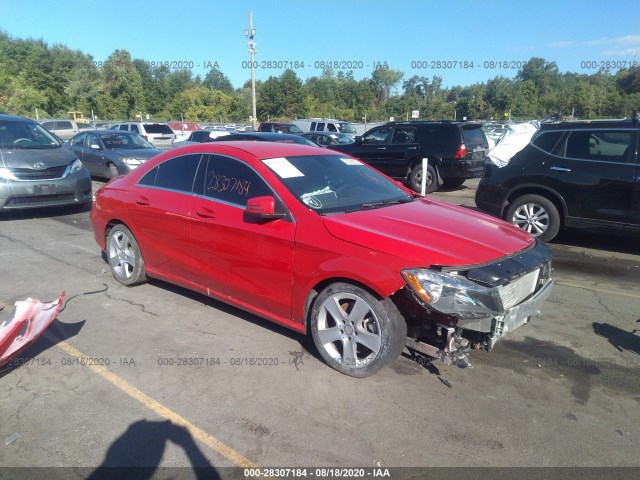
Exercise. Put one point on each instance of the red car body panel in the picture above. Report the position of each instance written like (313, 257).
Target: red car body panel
(270, 268)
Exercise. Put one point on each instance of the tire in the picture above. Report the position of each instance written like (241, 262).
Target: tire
(535, 214)
(356, 333)
(452, 182)
(415, 179)
(111, 171)
(125, 259)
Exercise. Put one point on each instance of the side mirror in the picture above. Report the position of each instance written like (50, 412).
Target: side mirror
(263, 207)
(359, 140)
(93, 146)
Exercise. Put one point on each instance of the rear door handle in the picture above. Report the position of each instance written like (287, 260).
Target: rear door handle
(382, 148)
(144, 201)
(205, 213)
(560, 169)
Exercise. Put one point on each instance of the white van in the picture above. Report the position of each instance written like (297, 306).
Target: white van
(325, 125)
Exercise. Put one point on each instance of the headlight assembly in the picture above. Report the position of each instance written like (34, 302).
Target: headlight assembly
(7, 174)
(76, 166)
(133, 162)
(453, 294)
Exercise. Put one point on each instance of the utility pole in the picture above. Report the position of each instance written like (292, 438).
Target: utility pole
(250, 33)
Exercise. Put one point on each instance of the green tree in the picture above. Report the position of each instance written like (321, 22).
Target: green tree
(121, 95)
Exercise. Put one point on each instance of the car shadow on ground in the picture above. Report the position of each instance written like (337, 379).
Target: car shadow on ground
(307, 346)
(619, 241)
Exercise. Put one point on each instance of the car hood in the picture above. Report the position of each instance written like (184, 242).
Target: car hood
(430, 233)
(28, 157)
(137, 153)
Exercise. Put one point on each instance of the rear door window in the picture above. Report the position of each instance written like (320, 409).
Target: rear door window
(404, 135)
(600, 145)
(231, 181)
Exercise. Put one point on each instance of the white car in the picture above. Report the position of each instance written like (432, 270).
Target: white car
(201, 136)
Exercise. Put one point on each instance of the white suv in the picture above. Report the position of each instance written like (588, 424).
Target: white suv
(159, 135)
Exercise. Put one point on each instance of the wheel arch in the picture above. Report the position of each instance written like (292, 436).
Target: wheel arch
(324, 283)
(434, 160)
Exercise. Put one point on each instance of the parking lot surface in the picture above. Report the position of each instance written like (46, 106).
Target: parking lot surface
(158, 376)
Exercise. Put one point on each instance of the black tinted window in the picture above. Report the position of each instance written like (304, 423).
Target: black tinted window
(178, 173)
(602, 145)
(547, 140)
(232, 181)
(441, 137)
(157, 128)
(404, 135)
(473, 137)
(149, 178)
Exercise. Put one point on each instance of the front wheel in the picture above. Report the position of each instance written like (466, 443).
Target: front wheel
(415, 179)
(125, 259)
(535, 214)
(356, 333)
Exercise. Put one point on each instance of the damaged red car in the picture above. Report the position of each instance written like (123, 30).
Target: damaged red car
(321, 243)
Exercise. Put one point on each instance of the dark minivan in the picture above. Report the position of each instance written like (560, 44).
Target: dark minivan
(572, 174)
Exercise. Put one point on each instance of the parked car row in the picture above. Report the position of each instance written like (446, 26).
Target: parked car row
(571, 174)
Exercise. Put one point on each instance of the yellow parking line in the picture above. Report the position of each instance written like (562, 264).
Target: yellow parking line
(598, 289)
(160, 409)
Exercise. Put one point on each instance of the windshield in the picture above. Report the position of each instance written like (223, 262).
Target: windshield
(116, 141)
(346, 127)
(25, 134)
(336, 184)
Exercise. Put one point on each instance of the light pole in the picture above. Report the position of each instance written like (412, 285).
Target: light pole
(250, 33)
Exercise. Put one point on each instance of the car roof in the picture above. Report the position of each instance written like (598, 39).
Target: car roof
(14, 118)
(262, 150)
(589, 124)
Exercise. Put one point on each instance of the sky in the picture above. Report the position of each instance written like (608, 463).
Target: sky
(464, 42)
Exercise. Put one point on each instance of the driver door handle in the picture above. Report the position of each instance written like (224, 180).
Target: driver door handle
(560, 169)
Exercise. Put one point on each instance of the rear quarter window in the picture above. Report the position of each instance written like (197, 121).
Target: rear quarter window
(176, 174)
(546, 141)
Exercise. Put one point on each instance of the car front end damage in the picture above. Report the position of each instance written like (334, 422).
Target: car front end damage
(451, 310)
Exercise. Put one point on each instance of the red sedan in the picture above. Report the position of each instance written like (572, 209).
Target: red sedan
(318, 241)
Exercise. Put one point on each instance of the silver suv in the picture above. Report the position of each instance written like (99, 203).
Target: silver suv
(159, 135)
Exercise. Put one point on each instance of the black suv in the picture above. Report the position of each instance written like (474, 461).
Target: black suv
(456, 151)
(572, 174)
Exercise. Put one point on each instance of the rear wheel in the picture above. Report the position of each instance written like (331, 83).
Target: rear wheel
(415, 179)
(125, 259)
(535, 214)
(356, 333)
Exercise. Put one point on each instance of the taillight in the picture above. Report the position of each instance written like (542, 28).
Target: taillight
(462, 151)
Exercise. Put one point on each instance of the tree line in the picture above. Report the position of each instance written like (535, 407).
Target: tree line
(55, 80)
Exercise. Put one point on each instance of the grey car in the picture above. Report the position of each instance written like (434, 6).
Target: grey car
(35, 170)
(110, 153)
